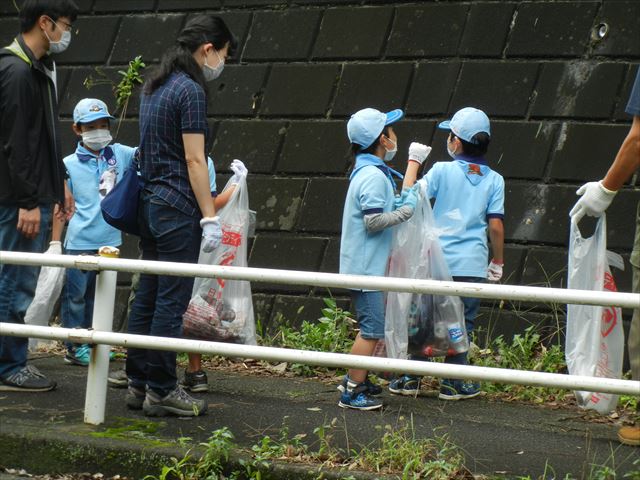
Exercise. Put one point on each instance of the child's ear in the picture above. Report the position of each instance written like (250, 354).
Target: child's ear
(76, 129)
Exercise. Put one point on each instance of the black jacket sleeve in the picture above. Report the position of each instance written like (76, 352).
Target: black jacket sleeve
(16, 99)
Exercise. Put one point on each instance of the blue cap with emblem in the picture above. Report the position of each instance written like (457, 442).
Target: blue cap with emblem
(365, 126)
(466, 123)
(90, 109)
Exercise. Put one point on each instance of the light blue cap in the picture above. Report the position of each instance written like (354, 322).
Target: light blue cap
(365, 126)
(466, 123)
(90, 109)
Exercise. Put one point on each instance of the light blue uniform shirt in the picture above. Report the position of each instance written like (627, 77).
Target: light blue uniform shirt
(212, 177)
(87, 229)
(371, 190)
(467, 193)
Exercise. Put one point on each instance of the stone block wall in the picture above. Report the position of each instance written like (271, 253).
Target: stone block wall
(554, 88)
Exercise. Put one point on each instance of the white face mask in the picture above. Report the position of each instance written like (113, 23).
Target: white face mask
(96, 139)
(452, 153)
(62, 44)
(211, 73)
(389, 154)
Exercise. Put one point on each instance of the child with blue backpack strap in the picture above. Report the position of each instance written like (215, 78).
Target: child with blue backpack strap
(371, 209)
(469, 204)
(93, 169)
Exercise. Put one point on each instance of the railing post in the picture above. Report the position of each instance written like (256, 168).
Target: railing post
(96, 397)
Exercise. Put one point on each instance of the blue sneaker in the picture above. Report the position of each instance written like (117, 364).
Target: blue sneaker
(78, 356)
(357, 396)
(458, 389)
(373, 389)
(405, 385)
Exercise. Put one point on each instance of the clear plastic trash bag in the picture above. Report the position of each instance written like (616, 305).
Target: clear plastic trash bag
(222, 310)
(595, 338)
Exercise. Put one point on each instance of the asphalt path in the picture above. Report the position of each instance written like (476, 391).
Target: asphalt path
(498, 438)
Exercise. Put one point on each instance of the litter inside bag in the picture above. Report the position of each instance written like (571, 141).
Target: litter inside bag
(423, 325)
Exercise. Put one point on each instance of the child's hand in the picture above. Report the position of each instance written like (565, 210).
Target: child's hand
(55, 247)
(418, 152)
(494, 271)
(239, 171)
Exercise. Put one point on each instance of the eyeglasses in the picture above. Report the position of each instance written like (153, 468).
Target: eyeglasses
(67, 26)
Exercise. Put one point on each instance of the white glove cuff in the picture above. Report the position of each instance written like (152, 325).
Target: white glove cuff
(605, 190)
(54, 242)
(208, 220)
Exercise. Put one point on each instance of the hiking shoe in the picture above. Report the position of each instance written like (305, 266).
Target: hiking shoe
(176, 402)
(405, 385)
(135, 397)
(78, 356)
(118, 379)
(372, 388)
(357, 396)
(458, 390)
(195, 381)
(27, 379)
(629, 435)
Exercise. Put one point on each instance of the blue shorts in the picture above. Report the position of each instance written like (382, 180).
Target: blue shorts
(369, 308)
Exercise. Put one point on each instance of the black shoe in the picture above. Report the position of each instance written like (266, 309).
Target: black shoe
(27, 379)
(195, 381)
(134, 398)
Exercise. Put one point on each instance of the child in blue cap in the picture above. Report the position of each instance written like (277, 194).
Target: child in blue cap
(93, 169)
(370, 209)
(469, 203)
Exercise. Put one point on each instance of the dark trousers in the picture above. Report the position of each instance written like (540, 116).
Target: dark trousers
(18, 283)
(167, 235)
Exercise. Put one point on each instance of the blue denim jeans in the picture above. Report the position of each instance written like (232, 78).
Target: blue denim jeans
(167, 235)
(369, 308)
(78, 295)
(471, 306)
(18, 283)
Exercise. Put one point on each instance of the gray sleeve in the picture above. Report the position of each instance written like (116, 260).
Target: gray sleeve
(379, 221)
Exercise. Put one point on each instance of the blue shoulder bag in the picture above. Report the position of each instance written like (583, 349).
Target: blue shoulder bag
(120, 206)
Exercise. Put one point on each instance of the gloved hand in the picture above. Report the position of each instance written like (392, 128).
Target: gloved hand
(595, 200)
(55, 248)
(211, 233)
(419, 152)
(409, 198)
(239, 171)
(494, 271)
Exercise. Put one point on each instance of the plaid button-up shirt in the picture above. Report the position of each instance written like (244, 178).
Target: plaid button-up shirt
(178, 106)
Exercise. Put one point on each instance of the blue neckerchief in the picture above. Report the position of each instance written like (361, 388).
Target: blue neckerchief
(468, 159)
(365, 159)
(85, 155)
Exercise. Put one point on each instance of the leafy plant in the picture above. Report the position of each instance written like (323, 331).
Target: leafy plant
(130, 78)
(333, 332)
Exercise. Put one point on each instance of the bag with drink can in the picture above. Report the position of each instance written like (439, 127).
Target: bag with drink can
(222, 310)
(423, 325)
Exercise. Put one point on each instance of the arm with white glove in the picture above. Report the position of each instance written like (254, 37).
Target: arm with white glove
(597, 196)
(405, 206)
(239, 171)
(211, 233)
(418, 153)
(496, 235)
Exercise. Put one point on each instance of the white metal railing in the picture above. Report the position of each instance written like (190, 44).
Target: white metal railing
(102, 336)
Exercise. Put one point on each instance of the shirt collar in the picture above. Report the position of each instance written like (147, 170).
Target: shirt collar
(364, 159)
(85, 155)
(45, 61)
(465, 158)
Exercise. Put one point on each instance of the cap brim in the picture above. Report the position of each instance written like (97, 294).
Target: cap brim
(393, 116)
(94, 116)
(446, 125)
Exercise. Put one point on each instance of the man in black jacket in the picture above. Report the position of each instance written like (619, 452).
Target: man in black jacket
(31, 169)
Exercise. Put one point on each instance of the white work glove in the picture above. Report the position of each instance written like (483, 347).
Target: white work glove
(595, 200)
(419, 152)
(494, 271)
(239, 171)
(211, 233)
(55, 248)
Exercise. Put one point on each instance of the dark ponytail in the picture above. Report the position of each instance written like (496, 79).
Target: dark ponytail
(199, 30)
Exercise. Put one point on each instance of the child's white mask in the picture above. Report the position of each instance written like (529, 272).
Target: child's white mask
(389, 154)
(96, 139)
